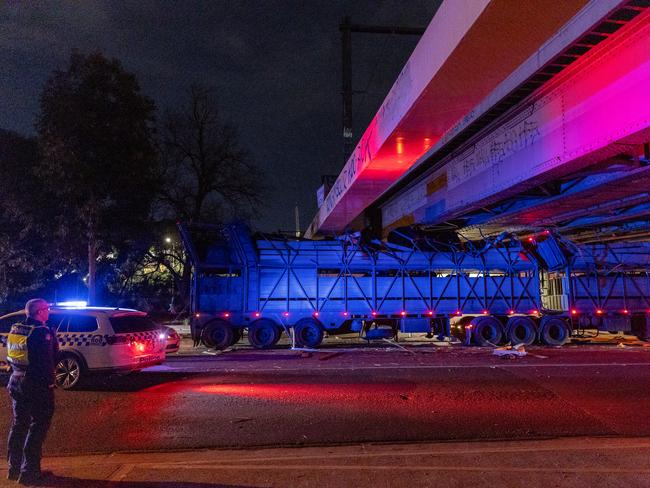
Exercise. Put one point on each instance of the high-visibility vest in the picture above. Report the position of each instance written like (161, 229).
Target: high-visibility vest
(17, 352)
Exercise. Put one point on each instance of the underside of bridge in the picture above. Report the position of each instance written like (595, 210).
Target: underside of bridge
(561, 142)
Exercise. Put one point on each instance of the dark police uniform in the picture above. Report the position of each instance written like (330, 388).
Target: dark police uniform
(32, 349)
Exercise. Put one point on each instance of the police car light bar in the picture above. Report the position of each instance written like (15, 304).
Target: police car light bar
(73, 304)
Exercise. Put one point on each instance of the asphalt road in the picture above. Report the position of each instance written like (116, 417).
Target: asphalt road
(249, 398)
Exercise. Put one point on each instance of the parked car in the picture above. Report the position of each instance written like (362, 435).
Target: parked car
(173, 340)
(97, 340)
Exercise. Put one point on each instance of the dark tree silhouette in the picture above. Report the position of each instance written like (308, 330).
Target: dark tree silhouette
(25, 218)
(206, 174)
(96, 137)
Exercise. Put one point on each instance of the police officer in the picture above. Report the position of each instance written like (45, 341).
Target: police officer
(32, 349)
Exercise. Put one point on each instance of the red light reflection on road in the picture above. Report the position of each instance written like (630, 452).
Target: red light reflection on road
(303, 392)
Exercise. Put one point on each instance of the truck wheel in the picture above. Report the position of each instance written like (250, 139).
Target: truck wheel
(217, 334)
(68, 371)
(554, 331)
(521, 330)
(309, 333)
(263, 333)
(487, 331)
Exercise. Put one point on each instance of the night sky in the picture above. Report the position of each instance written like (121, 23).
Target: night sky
(276, 66)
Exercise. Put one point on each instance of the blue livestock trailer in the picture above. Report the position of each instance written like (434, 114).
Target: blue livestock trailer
(502, 289)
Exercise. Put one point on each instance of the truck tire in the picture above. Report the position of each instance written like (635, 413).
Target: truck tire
(487, 331)
(554, 331)
(308, 332)
(263, 333)
(521, 330)
(217, 334)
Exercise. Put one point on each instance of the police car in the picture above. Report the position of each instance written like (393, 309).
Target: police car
(96, 339)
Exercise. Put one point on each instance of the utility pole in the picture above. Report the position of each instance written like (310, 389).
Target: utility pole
(347, 28)
(297, 217)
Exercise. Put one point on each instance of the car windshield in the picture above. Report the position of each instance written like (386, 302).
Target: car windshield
(132, 323)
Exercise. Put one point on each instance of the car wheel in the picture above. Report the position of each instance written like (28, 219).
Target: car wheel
(68, 372)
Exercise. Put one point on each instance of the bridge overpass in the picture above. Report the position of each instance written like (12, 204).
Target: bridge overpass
(511, 116)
